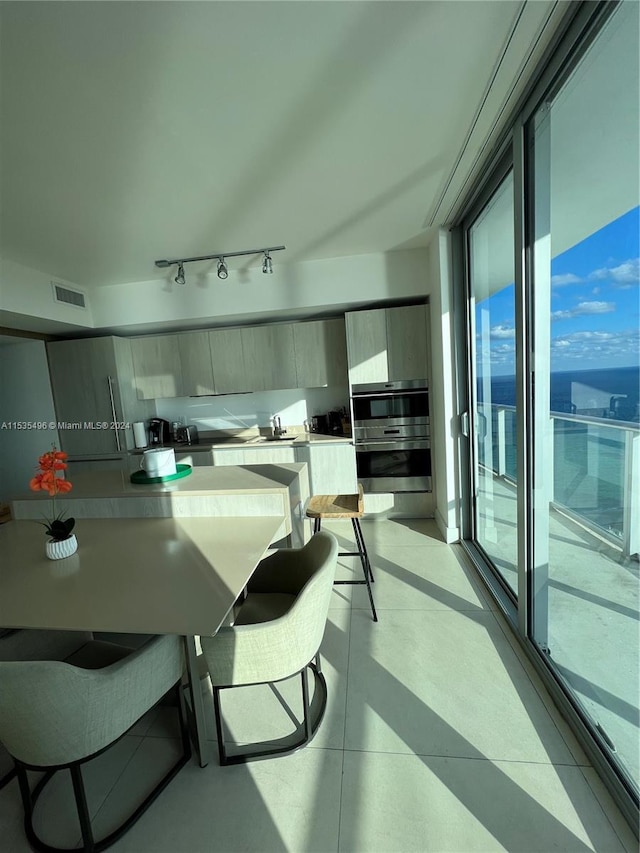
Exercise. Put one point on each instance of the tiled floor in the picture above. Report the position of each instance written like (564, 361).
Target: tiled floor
(592, 616)
(437, 737)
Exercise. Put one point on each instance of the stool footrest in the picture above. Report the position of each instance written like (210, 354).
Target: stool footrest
(361, 552)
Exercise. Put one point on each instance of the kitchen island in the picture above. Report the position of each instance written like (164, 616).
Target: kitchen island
(271, 490)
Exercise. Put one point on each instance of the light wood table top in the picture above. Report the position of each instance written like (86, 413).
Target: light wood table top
(138, 575)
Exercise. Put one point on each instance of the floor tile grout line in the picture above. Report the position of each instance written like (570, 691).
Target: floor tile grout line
(448, 756)
(344, 726)
(116, 780)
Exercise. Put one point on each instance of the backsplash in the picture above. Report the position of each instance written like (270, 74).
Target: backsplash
(235, 411)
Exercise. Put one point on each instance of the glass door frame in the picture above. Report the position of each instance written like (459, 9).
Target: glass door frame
(513, 152)
(469, 449)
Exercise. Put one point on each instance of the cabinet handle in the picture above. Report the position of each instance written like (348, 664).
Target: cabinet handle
(113, 412)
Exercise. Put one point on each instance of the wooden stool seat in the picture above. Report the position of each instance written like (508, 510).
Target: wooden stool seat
(336, 506)
(345, 506)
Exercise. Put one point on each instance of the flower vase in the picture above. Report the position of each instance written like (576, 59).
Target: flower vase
(60, 550)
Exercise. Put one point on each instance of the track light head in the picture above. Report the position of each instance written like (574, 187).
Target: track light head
(223, 272)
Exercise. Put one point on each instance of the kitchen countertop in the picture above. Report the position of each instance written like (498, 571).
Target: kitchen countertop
(205, 480)
(300, 439)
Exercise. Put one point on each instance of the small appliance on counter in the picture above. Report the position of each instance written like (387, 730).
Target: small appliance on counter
(320, 424)
(140, 434)
(334, 423)
(159, 432)
(187, 434)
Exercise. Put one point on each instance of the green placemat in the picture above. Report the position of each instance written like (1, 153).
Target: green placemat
(141, 476)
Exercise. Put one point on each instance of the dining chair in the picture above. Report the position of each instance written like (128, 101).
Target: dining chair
(276, 634)
(57, 715)
(35, 644)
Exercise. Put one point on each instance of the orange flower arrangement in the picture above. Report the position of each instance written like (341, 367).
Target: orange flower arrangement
(46, 480)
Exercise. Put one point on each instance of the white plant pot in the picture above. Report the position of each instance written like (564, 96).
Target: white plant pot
(60, 550)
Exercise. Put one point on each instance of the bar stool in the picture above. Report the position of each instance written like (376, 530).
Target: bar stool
(345, 506)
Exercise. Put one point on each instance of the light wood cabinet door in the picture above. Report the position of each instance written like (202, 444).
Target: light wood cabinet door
(269, 357)
(76, 466)
(332, 468)
(263, 455)
(367, 346)
(156, 361)
(195, 458)
(227, 358)
(129, 408)
(195, 363)
(407, 336)
(83, 381)
(320, 353)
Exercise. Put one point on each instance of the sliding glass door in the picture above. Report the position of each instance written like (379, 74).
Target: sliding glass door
(585, 306)
(551, 246)
(492, 351)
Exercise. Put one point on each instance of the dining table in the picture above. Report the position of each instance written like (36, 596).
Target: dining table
(136, 576)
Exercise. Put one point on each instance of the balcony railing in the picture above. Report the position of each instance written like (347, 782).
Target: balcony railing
(595, 463)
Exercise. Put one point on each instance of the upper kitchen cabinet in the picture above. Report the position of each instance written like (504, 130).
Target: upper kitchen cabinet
(195, 364)
(156, 361)
(320, 353)
(407, 342)
(269, 357)
(227, 356)
(367, 346)
(93, 385)
(387, 344)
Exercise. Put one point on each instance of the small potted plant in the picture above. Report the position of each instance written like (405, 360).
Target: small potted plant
(63, 542)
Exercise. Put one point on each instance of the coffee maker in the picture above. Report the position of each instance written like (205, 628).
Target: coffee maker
(159, 432)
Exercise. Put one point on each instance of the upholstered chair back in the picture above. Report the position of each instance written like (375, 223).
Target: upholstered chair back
(52, 712)
(280, 627)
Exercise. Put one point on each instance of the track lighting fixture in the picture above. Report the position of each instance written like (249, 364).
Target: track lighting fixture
(223, 272)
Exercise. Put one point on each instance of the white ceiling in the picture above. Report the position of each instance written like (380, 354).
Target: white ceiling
(144, 130)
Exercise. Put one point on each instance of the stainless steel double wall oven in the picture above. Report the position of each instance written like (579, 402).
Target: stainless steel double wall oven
(391, 435)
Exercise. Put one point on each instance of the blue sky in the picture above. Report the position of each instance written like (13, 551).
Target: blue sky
(595, 304)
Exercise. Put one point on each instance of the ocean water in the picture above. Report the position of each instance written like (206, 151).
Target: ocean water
(611, 393)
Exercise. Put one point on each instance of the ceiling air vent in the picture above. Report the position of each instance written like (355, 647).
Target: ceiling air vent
(67, 296)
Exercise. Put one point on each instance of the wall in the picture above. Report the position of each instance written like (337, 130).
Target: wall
(236, 411)
(293, 288)
(444, 426)
(25, 396)
(28, 293)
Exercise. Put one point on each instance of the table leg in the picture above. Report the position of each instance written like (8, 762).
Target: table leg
(197, 706)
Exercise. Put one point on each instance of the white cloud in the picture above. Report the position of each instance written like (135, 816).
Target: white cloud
(499, 333)
(624, 275)
(593, 346)
(583, 308)
(567, 278)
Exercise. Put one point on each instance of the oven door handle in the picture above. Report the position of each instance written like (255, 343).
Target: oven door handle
(391, 392)
(398, 444)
